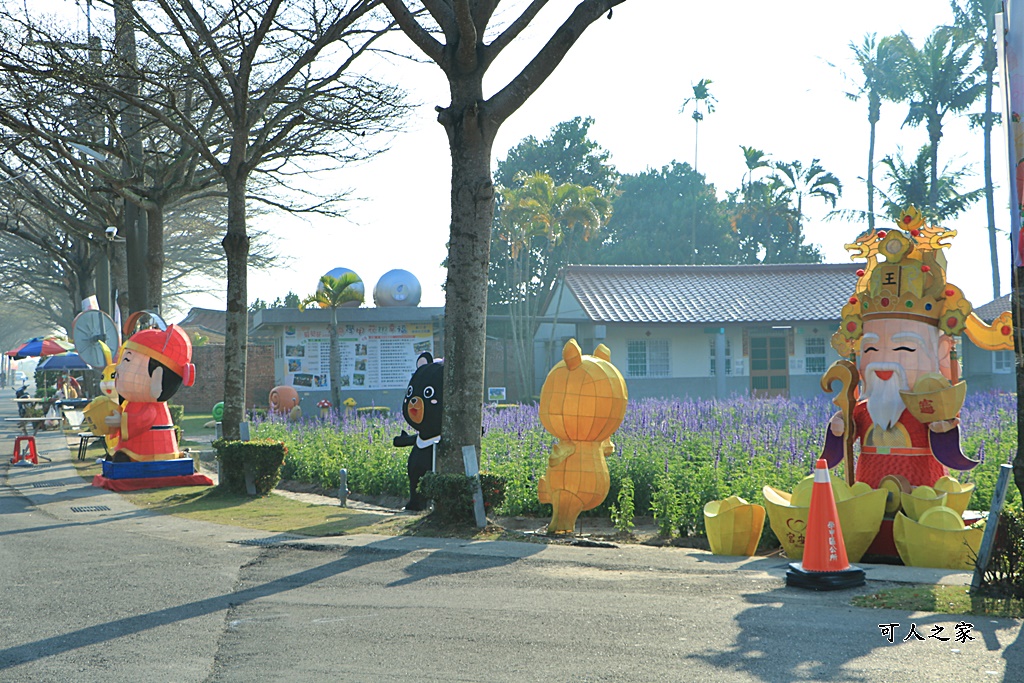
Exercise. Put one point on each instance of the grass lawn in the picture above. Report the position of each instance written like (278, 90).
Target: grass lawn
(192, 426)
(941, 599)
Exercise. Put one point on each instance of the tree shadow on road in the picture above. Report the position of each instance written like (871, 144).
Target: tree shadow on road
(353, 558)
(790, 634)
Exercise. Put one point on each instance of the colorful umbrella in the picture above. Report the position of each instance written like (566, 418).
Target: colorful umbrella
(64, 361)
(38, 347)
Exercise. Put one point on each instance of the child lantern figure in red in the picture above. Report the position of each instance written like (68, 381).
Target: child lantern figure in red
(153, 364)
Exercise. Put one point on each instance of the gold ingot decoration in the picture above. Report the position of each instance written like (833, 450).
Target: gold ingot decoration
(733, 526)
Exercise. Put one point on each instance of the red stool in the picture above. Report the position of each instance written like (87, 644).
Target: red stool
(31, 456)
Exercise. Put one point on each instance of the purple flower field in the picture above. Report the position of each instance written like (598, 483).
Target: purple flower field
(701, 450)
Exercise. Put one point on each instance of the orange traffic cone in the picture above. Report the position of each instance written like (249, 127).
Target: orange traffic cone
(825, 565)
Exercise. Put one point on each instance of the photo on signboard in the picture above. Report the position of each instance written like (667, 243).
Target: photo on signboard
(294, 365)
(321, 381)
(295, 350)
(303, 380)
(361, 365)
(421, 346)
(360, 349)
(343, 381)
(358, 380)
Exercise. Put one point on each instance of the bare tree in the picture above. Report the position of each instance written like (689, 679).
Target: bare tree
(455, 38)
(279, 75)
(279, 81)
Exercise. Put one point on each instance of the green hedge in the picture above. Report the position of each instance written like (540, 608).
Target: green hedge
(264, 456)
(177, 412)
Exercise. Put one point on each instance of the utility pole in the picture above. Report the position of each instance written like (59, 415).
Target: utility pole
(135, 225)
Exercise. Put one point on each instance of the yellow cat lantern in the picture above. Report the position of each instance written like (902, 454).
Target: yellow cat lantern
(582, 403)
(107, 403)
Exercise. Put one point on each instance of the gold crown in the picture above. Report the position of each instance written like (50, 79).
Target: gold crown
(905, 277)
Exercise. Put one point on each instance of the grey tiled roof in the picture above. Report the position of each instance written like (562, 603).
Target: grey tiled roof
(989, 311)
(712, 294)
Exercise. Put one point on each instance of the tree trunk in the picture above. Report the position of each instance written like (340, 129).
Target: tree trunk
(993, 241)
(134, 218)
(874, 107)
(155, 256)
(934, 134)
(236, 248)
(335, 360)
(1017, 300)
(119, 277)
(465, 313)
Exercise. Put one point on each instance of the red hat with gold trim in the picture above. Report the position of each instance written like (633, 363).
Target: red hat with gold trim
(170, 347)
(905, 278)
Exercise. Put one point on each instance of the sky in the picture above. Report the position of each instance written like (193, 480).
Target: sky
(779, 72)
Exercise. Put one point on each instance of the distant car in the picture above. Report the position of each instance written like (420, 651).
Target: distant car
(20, 377)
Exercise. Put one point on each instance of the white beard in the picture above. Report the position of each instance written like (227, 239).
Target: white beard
(885, 405)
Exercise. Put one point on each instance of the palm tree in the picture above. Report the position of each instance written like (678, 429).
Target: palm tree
(754, 159)
(939, 82)
(910, 183)
(977, 19)
(332, 293)
(533, 219)
(881, 62)
(701, 96)
(814, 181)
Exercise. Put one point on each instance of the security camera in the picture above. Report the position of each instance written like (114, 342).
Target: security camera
(111, 233)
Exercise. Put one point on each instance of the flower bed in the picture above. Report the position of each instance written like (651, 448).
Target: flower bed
(708, 449)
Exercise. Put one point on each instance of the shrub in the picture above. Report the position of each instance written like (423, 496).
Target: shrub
(622, 514)
(263, 457)
(177, 412)
(370, 411)
(1004, 577)
(665, 505)
(493, 487)
(452, 495)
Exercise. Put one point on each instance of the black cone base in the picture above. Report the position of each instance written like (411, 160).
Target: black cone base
(798, 577)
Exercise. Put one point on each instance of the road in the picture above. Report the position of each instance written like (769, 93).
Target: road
(124, 595)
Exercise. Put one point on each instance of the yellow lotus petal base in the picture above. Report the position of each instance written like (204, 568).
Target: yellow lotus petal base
(860, 517)
(733, 526)
(920, 545)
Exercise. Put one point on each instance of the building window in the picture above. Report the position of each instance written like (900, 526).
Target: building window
(647, 358)
(814, 355)
(728, 356)
(1002, 362)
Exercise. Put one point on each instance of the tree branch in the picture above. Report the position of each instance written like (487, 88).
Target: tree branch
(466, 57)
(512, 31)
(416, 33)
(503, 103)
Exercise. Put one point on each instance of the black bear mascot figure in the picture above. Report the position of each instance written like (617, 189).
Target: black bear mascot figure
(422, 409)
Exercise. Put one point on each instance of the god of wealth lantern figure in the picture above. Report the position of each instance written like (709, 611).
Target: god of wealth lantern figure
(897, 331)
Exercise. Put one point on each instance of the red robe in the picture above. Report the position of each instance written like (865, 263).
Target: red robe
(147, 432)
(913, 459)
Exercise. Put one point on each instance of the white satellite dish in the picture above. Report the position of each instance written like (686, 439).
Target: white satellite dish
(87, 330)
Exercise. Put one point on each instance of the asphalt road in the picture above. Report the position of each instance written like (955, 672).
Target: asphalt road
(123, 595)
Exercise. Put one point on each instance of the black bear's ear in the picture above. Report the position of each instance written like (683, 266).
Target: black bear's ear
(424, 359)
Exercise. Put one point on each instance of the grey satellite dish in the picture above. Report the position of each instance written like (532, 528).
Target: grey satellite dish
(397, 288)
(87, 330)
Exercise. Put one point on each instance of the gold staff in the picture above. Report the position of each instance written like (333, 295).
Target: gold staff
(846, 372)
